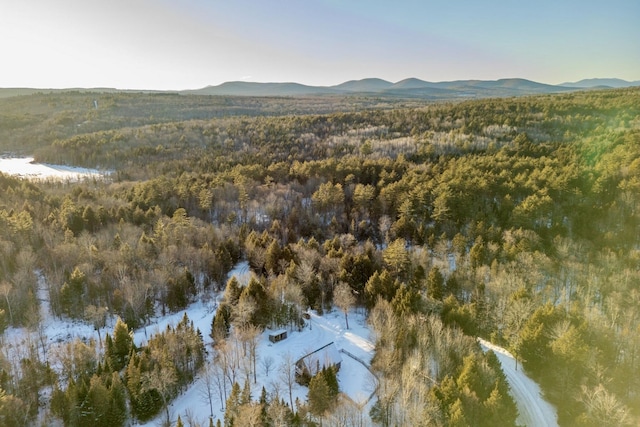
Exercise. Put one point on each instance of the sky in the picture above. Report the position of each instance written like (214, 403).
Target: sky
(190, 44)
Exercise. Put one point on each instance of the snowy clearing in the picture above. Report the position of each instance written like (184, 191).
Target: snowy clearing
(534, 410)
(24, 167)
(354, 379)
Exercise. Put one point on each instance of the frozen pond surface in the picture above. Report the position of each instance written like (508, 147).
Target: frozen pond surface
(25, 167)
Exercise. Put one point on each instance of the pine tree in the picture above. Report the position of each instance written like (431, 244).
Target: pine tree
(122, 345)
(117, 414)
(319, 396)
(71, 294)
(435, 284)
(331, 378)
(397, 258)
(272, 257)
(498, 409)
(60, 405)
(220, 325)
(232, 406)
(95, 407)
(457, 416)
(406, 301)
(264, 406)
(245, 397)
(232, 291)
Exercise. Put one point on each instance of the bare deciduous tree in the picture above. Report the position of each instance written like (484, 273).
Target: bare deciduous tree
(208, 385)
(98, 318)
(267, 364)
(288, 375)
(343, 297)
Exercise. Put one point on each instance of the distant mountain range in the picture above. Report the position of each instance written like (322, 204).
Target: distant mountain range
(407, 88)
(603, 83)
(410, 88)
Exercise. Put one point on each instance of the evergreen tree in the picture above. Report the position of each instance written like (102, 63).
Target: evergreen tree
(330, 375)
(319, 396)
(245, 397)
(264, 406)
(117, 414)
(232, 405)
(95, 407)
(457, 416)
(71, 294)
(221, 324)
(117, 350)
(435, 284)
(232, 291)
(272, 258)
(406, 301)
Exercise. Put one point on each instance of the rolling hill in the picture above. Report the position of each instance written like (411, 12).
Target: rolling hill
(411, 88)
(407, 88)
(595, 83)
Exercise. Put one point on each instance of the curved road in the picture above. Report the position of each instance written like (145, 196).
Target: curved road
(533, 409)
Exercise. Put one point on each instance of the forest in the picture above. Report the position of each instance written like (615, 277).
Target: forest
(514, 219)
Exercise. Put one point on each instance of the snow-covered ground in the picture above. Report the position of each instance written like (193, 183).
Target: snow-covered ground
(25, 167)
(354, 378)
(534, 410)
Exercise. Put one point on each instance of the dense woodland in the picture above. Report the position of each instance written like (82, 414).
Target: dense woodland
(516, 220)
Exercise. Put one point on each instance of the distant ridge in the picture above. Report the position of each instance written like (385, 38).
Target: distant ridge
(411, 88)
(407, 88)
(594, 83)
(240, 88)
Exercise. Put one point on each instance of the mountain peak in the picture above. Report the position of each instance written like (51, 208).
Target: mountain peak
(600, 82)
(364, 85)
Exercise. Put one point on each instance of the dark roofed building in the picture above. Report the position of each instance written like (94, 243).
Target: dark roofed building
(278, 335)
(325, 357)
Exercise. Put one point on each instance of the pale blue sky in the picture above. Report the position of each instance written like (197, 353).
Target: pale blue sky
(184, 44)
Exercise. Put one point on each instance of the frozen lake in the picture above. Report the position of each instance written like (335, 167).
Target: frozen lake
(25, 167)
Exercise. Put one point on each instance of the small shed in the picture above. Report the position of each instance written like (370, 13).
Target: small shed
(278, 335)
(325, 357)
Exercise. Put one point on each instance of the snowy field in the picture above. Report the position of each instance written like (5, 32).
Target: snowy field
(24, 167)
(534, 410)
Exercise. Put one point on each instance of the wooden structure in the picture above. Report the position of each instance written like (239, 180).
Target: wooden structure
(278, 335)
